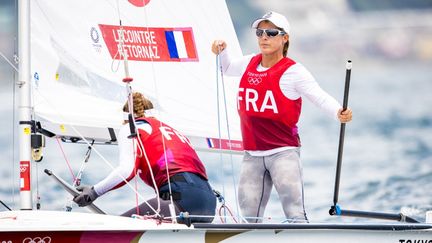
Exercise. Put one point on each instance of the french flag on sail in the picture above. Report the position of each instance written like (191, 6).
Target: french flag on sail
(181, 44)
(216, 143)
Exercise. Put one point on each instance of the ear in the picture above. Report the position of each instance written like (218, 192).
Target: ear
(285, 38)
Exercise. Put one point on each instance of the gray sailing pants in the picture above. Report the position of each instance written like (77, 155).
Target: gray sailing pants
(259, 174)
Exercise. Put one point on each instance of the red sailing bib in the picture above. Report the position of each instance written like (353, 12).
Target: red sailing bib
(178, 153)
(268, 117)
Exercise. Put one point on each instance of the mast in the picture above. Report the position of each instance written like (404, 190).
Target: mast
(24, 108)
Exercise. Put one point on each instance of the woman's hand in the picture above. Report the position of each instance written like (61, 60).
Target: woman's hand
(86, 197)
(218, 46)
(345, 116)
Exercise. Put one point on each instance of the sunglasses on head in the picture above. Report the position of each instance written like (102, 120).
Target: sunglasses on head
(269, 32)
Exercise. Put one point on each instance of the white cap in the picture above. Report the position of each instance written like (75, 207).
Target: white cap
(277, 19)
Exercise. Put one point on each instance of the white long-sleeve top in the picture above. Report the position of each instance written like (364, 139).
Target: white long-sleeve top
(295, 82)
(126, 166)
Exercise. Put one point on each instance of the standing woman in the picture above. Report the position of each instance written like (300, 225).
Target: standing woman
(166, 152)
(269, 105)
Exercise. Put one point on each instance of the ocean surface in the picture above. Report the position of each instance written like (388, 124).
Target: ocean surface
(387, 162)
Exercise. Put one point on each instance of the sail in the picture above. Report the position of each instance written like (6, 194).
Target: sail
(78, 70)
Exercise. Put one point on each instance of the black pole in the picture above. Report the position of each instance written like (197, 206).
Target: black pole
(341, 136)
(4, 205)
(132, 126)
(376, 215)
(72, 191)
(335, 209)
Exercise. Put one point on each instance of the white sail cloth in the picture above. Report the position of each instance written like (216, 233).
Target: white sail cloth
(77, 70)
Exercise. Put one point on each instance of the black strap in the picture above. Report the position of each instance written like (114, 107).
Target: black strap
(177, 177)
(166, 195)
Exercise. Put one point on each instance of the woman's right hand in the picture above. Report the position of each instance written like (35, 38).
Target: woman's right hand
(218, 46)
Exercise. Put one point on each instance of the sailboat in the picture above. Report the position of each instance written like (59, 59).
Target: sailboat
(71, 80)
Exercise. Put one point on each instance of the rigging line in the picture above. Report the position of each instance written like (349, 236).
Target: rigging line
(98, 153)
(66, 159)
(219, 131)
(77, 180)
(131, 110)
(38, 205)
(160, 122)
(13, 137)
(141, 146)
(80, 172)
(115, 69)
(9, 62)
(135, 171)
(13, 109)
(229, 135)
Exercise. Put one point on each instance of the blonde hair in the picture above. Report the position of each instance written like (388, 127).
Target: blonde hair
(140, 104)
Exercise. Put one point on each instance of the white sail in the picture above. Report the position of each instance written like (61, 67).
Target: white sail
(77, 69)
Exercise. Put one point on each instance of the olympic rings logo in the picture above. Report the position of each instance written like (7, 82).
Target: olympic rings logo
(23, 169)
(46, 239)
(254, 80)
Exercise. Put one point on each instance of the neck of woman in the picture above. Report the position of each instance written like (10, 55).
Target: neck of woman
(269, 60)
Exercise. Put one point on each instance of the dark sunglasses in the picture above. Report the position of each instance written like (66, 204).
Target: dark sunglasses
(269, 32)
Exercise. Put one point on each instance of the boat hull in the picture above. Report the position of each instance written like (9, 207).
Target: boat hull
(53, 226)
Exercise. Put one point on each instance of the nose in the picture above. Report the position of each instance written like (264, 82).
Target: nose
(264, 36)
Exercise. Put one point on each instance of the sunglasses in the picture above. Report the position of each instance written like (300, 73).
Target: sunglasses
(269, 32)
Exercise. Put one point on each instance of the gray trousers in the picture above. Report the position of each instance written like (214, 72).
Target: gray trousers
(259, 174)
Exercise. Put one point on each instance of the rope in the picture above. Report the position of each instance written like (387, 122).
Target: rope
(94, 149)
(115, 69)
(13, 116)
(66, 159)
(141, 148)
(219, 130)
(38, 204)
(9, 62)
(219, 67)
(77, 181)
(226, 208)
(160, 124)
(135, 179)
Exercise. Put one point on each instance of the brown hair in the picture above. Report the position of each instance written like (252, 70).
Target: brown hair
(140, 104)
(286, 45)
(285, 49)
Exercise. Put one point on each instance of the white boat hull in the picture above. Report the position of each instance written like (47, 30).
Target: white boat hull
(53, 226)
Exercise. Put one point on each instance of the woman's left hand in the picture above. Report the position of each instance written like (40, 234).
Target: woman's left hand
(345, 116)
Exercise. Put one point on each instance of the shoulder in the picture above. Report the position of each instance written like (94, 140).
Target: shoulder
(141, 121)
(144, 124)
(298, 72)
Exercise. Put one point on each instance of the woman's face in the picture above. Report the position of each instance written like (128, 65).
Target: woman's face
(271, 44)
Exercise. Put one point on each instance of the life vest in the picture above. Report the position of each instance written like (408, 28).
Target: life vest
(268, 118)
(178, 153)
